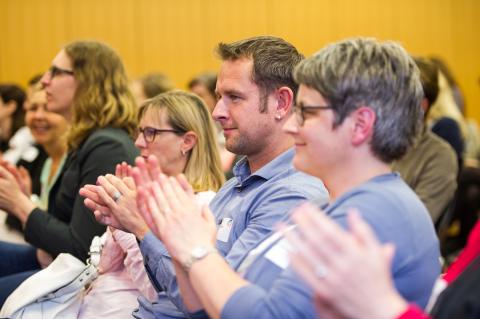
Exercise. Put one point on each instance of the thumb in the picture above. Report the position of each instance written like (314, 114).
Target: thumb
(388, 252)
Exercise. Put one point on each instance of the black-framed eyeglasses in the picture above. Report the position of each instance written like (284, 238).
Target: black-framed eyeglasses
(149, 133)
(55, 70)
(300, 110)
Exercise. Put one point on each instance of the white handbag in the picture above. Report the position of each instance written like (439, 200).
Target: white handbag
(56, 291)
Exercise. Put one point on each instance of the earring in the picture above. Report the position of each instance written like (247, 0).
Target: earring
(278, 117)
(183, 152)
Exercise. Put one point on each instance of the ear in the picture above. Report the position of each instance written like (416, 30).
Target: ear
(189, 141)
(284, 101)
(425, 106)
(364, 120)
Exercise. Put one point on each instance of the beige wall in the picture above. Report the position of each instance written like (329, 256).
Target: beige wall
(178, 36)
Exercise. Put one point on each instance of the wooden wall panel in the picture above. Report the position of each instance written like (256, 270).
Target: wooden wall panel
(178, 37)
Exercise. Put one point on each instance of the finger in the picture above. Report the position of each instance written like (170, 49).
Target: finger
(129, 181)
(118, 171)
(4, 173)
(97, 207)
(158, 193)
(118, 183)
(90, 204)
(144, 175)
(109, 189)
(175, 196)
(388, 252)
(90, 192)
(156, 213)
(23, 172)
(128, 169)
(154, 167)
(143, 209)
(106, 198)
(210, 219)
(124, 168)
(182, 180)
(103, 219)
(307, 274)
(138, 178)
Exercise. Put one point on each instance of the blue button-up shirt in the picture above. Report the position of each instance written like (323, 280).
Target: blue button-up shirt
(246, 209)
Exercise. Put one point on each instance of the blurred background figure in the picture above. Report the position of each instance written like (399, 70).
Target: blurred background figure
(204, 85)
(445, 116)
(49, 130)
(430, 166)
(150, 85)
(15, 138)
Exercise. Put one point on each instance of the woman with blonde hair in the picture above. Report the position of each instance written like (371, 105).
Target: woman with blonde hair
(86, 84)
(177, 130)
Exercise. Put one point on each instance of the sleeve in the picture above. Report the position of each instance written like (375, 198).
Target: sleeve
(272, 207)
(112, 255)
(133, 263)
(288, 298)
(438, 182)
(413, 312)
(74, 233)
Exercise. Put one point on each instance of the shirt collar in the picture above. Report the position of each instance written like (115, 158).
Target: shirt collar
(276, 166)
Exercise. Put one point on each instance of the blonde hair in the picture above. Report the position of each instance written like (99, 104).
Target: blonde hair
(102, 97)
(187, 112)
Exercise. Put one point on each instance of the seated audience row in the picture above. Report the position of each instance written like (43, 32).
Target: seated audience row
(335, 121)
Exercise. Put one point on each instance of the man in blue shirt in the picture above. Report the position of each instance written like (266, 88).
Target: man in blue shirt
(256, 92)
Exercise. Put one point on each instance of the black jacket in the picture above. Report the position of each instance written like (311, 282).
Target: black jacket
(69, 226)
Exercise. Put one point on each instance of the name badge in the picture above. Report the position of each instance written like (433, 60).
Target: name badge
(224, 229)
(279, 254)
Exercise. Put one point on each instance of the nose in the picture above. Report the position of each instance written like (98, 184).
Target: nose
(220, 112)
(140, 141)
(291, 125)
(39, 112)
(46, 78)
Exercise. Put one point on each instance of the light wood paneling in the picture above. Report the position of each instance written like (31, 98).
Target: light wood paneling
(178, 37)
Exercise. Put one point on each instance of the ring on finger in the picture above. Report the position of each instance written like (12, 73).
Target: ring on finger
(320, 271)
(116, 196)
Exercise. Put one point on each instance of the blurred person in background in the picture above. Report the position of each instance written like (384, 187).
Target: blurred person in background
(150, 85)
(204, 86)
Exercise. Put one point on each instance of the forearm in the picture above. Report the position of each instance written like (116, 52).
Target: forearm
(190, 298)
(214, 283)
(22, 208)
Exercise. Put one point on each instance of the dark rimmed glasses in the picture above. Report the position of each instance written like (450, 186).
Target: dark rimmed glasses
(55, 70)
(149, 133)
(300, 111)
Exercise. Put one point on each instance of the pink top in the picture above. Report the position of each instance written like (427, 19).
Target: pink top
(122, 276)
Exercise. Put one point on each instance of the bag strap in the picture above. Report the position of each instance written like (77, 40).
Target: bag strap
(95, 251)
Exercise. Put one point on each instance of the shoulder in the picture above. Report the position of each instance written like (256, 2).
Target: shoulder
(108, 134)
(109, 144)
(293, 181)
(108, 141)
(387, 200)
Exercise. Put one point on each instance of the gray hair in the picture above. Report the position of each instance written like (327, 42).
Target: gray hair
(273, 62)
(364, 72)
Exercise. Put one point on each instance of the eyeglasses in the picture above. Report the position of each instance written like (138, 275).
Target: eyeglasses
(55, 70)
(300, 111)
(149, 133)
